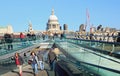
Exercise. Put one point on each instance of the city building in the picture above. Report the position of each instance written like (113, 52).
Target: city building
(53, 25)
(6, 29)
(30, 29)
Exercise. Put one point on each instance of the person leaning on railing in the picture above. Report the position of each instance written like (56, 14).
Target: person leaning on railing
(8, 39)
(52, 59)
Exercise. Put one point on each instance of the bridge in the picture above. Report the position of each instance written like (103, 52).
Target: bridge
(75, 57)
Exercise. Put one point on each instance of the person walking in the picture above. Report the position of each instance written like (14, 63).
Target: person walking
(18, 62)
(34, 63)
(25, 58)
(22, 38)
(40, 60)
(52, 59)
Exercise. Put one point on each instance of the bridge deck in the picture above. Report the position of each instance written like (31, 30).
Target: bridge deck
(27, 71)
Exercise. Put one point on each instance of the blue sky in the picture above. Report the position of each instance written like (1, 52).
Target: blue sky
(71, 12)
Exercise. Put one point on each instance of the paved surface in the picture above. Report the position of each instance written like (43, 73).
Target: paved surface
(27, 71)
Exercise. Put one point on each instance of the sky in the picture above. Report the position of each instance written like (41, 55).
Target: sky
(18, 13)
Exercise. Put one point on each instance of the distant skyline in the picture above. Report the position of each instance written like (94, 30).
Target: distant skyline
(18, 13)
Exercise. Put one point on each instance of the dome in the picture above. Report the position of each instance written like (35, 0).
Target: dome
(52, 16)
(53, 24)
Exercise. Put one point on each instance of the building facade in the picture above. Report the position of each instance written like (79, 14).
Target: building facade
(53, 25)
(6, 29)
(30, 29)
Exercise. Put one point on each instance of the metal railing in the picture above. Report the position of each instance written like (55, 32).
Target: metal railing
(89, 58)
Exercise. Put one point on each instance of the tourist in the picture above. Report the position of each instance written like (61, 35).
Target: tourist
(19, 62)
(34, 63)
(61, 37)
(52, 59)
(25, 58)
(40, 60)
(33, 37)
(8, 40)
(29, 37)
(22, 36)
(43, 36)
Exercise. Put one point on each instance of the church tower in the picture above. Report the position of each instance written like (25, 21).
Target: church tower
(30, 29)
(53, 25)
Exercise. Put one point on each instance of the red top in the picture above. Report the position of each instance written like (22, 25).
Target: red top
(22, 35)
(17, 61)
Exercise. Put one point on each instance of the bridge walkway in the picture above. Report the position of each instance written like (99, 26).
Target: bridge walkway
(27, 71)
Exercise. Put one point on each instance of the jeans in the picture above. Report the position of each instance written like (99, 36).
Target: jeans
(35, 68)
(10, 46)
(52, 65)
(41, 65)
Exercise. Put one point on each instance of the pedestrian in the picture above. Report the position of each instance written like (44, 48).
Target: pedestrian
(8, 39)
(34, 63)
(33, 37)
(22, 36)
(40, 60)
(18, 62)
(22, 39)
(25, 58)
(52, 59)
(43, 36)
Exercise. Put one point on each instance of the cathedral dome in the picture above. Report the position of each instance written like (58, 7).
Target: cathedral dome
(53, 17)
(53, 24)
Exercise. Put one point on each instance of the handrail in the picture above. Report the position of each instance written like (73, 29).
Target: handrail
(117, 43)
(111, 49)
(79, 62)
